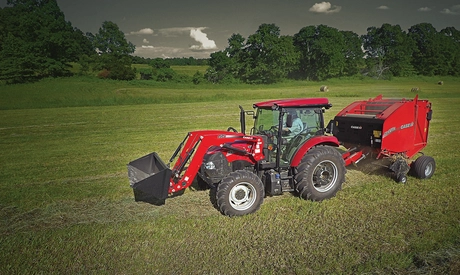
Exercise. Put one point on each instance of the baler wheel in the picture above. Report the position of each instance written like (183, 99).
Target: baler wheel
(423, 167)
(240, 193)
(320, 174)
(402, 178)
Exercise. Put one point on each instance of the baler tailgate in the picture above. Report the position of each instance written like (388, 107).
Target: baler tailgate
(150, 178)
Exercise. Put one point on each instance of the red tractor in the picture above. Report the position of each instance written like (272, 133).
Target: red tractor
(289, 149)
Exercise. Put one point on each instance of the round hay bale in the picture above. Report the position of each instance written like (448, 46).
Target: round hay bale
(440, 82)
(324, 88)
(415, 89)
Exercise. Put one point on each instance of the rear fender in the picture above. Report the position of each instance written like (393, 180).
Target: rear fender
(312, 142)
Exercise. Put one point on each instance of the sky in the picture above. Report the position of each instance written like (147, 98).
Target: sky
(196, 28)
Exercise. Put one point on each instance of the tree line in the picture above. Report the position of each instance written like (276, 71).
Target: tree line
(321, 52)
(36, 42)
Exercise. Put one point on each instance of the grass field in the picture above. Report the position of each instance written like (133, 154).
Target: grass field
(182, 70)
(67, 208)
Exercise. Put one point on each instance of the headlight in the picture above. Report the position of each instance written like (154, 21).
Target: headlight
(210, 165)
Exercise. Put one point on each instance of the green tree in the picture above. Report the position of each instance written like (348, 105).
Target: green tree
(437, 53)
(36, 41)
(304, 41)
(165, 75)
(197, 78)
(268, 57)
(162, 71)
(323, 52)
(111, 40)
(159, 63)
(427, 56)
(114, 52)
(235, 54)
(226, 65)
(220, 67)
(86, 52)
(353, 53)
(388, 51)
(328, 54)
(452, 43)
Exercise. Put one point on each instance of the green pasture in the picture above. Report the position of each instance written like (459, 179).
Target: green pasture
(67, 207)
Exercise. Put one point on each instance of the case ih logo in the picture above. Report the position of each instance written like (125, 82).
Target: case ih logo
(356, 127)
(402, 127)
(408, 125)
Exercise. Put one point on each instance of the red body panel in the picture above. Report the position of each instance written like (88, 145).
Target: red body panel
(405, 129)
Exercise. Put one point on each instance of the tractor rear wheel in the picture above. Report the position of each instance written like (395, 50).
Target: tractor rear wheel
(320, 174)
(240, 193)
(423, 167)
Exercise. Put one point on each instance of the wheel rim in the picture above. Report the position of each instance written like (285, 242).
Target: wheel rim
(428, 169)
(325, 176)
(242, 196)
(402, 179)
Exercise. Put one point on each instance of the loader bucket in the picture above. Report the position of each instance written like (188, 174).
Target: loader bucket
(149, 177)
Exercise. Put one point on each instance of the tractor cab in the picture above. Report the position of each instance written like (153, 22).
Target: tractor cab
(287, 124)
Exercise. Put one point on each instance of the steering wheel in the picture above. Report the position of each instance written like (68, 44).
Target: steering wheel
(232, 129)
(273, 131)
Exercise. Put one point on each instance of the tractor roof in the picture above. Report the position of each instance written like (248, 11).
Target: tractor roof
(294, 102)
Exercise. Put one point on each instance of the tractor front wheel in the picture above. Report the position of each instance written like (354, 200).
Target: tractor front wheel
(240, 193)
(320, 174)
(423, 167)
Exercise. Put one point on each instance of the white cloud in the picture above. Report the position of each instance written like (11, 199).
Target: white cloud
(425, 9)
(325, 7)
(174, 32)
(454, 10)
(203, 46)
(447, 11)
(383, 8)
(202, 38)
(196, 33)
(142, 31)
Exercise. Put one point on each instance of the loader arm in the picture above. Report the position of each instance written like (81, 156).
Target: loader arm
(199, 142)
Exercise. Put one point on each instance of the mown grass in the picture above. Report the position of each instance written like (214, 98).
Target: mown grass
(66, 204)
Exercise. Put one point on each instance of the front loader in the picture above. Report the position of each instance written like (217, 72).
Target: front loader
(288, 149)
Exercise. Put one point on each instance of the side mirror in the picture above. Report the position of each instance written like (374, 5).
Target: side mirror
(289, 121)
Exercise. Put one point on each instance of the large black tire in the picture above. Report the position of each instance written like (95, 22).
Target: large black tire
(423, 167)
(320, 174)
(240, 193)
